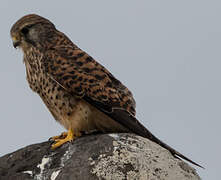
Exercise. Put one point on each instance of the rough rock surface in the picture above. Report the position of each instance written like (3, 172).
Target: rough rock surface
(101, 156)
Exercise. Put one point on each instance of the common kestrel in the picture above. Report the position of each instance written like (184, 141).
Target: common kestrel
(80, 93)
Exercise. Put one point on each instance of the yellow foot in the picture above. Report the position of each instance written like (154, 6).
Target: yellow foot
(69, 136)
(62, 136)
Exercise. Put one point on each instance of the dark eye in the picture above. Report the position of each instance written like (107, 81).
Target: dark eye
(25, 30)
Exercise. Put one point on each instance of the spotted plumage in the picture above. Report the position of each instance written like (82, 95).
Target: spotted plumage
(80, 93)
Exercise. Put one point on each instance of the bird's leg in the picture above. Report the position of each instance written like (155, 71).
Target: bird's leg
(69, 137)
(61, 136)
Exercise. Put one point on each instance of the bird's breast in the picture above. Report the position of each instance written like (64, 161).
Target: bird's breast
(59, 102)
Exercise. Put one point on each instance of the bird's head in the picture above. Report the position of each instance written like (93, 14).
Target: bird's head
(32, 30)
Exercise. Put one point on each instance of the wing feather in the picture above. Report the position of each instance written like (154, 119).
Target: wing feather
(83, 77)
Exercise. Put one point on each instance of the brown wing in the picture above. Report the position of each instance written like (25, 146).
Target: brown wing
(82, 76)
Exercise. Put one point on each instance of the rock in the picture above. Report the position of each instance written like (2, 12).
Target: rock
(101, 156)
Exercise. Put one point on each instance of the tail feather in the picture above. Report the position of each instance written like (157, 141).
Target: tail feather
(129, 121)
(153, 138)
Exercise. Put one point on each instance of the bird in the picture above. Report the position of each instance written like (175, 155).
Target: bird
(81, 94)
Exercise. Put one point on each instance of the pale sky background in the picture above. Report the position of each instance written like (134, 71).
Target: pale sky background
(166, 51)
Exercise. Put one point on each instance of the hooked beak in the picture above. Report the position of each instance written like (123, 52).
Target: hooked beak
(16, 42)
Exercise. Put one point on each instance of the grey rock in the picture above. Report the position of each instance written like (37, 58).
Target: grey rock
(101, 156)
